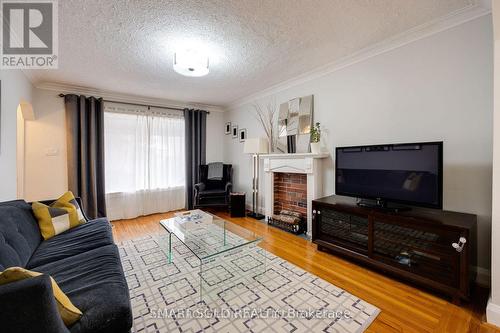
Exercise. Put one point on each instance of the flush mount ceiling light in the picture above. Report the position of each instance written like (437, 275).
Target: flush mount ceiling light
(191, 63)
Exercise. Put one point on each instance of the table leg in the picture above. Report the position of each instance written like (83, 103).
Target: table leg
(201, 280)
(224, 233)
(265, 260)
(170, 248)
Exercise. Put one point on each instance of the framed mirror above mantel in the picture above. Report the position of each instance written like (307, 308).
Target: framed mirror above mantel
(295, 119)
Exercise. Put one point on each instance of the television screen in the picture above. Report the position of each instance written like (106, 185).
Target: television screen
(404, 173)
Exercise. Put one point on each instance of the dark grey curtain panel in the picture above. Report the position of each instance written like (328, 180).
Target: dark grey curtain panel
(196, 140)
(85, 140)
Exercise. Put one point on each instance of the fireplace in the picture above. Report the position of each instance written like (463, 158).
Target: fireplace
(290, 192)
(290, 202)
(291, 182)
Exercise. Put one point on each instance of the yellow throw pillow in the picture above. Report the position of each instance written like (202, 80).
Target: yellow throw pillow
(61, 215)
(69, 313)
(68, 200)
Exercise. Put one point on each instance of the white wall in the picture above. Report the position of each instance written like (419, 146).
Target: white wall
(46, 174)
(215, 137)
(436, 88)
(493, 308)
(15, 88)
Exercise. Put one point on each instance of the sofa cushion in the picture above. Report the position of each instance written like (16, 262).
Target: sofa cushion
(212, 193)
(19, 234)
(95, 283)
(83, 238)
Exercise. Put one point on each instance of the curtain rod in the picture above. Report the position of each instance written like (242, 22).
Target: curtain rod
(137, 104)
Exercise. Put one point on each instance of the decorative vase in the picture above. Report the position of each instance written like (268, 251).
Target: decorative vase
(315, 147)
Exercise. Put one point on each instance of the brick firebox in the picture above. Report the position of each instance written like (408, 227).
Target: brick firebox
(290, 192)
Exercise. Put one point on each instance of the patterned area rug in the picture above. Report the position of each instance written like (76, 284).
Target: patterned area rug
(248, 290)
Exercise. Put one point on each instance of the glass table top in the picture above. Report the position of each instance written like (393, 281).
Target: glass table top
(207, 235)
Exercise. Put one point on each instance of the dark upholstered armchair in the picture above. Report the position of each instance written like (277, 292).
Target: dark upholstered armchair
(210, 192)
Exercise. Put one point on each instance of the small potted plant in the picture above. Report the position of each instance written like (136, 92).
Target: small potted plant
(316, 138)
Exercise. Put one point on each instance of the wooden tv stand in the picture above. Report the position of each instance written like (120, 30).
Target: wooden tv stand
(413, 245)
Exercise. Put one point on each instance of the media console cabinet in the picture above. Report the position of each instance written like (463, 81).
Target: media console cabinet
(431, 248)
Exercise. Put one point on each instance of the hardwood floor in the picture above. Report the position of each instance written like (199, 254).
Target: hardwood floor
(404, 308)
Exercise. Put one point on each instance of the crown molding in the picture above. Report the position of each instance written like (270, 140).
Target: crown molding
(125, 98)
(453, 19)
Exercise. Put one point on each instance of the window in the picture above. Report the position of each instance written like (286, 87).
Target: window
(144, 160)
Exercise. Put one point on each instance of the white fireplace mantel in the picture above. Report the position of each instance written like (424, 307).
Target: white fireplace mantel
(285, 156)
(308, 163)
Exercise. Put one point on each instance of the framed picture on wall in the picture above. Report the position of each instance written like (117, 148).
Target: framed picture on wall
(235, 131)
(228, 128)
(243, 134)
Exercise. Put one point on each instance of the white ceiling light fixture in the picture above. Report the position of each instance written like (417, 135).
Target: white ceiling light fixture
(191, 63)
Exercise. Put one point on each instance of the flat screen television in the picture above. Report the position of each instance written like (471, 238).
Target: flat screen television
(410, 173)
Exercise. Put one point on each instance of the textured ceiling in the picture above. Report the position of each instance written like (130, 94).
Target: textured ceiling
(127, 46)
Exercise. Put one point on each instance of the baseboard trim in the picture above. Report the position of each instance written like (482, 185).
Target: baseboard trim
(260, 210)
(493, 313)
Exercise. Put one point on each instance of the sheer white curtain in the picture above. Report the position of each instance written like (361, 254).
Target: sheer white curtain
(144, 160)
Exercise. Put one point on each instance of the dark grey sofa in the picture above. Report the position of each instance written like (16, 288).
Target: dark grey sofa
(85, 263)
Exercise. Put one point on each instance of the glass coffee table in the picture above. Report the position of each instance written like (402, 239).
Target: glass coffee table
(228, 253)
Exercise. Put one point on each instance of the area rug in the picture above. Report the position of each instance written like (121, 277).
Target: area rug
(274, 296)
